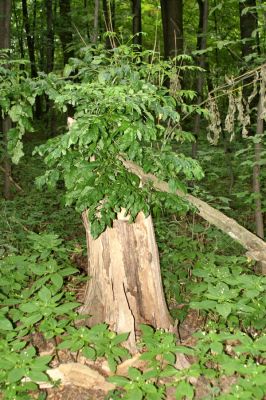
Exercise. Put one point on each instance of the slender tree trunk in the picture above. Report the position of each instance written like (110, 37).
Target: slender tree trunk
(31, 49)
(137, 23)
(30, 39)
(49, 36)
(95, 34)
(257, 156)
(125, 287)
(65, 31)
(248, 24)
(49, 64)
(172, 20)
(201, 45)
(19, 30)
(109, 21)
(5, 40)
(85, 4)
(250, 45)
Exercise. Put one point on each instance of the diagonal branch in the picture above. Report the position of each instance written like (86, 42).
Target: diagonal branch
(256, 247)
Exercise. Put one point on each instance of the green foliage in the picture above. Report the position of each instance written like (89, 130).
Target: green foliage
(226, 289)
(120, 113)
(18, 94)
(95, 342)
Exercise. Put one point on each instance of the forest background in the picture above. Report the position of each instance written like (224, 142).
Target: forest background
(132, 113)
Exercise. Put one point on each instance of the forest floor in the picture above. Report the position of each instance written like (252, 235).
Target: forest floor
(182, 240)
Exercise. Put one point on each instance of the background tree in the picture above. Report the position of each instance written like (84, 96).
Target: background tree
(137, 23)
(5, 122)
(65, 29)
(201, 62)
(172, 21)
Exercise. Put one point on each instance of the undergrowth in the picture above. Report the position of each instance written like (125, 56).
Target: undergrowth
(226, 355)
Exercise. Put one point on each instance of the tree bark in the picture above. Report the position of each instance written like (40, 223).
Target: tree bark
(137, 23)
(256, 246)
(109, 21)
(30, 36)
(65, 30)
(95, 34)
(257, 156)
(49, 36)
(5, 122)
(172, 20)
(248, 24)
(201, 45)
(125, 287)
(30, 39)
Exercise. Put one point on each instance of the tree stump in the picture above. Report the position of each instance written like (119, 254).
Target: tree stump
(125, 286)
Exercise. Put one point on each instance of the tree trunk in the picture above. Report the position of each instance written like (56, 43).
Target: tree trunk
(95, 34)
(49, 36)
(248, 24)
(172, 20)
(5, 122)
(19, 31)
(109, 21)
(125, 287)
(31, 50)
(30, 39)
(85, 3)
(65, 30)
(137, 23)
(201, 45)
(257, 155)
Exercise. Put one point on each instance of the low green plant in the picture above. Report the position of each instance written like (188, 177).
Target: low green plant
(225, 288)
(32, 298)
(94, 342)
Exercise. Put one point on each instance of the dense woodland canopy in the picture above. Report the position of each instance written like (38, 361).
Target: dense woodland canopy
(143, 122)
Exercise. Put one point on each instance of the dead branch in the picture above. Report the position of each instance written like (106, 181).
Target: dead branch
(19, 188)
(256, 247)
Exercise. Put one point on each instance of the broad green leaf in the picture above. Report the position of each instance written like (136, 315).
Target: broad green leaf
(5, 324)
(16, 375)
(57, 280)
(118, 380)
(38, 376)
(134, 373)
(224, 309)
(45, 294)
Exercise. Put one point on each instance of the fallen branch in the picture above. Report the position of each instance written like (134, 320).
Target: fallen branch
(256, 247)
(19, 188)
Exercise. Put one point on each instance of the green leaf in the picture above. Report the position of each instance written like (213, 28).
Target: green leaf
(89, 353)
(135, 394)
(118, 380)
(65, 308)
(146, 330)
(184, 389)
(120, 338)
(15, 375)
(38, 376)
(57, 280)
(216, 347)
(29, 307)
(134, 373)
(224, 309)
(5, 324)
(45, 294)
(67, 70)
(32, 319)
(112, 363)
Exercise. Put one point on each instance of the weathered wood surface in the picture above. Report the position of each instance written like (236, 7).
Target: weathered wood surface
(125, 287)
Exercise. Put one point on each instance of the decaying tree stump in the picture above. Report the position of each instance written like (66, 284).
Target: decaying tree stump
(125, 287)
